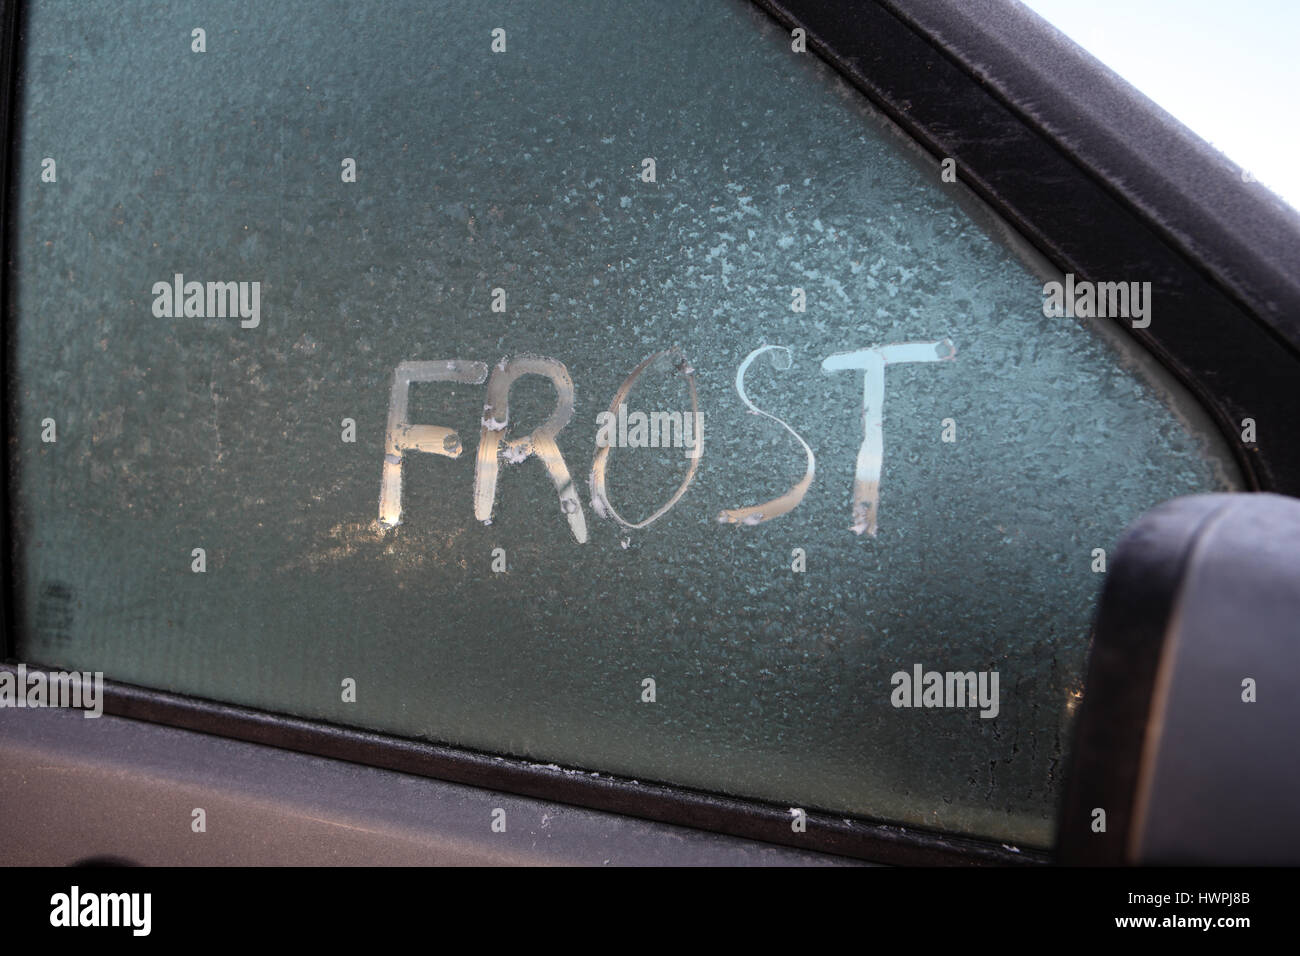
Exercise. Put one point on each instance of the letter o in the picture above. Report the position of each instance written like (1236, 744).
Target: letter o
(599, 496)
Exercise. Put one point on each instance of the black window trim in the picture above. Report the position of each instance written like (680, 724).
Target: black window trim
(959, 76)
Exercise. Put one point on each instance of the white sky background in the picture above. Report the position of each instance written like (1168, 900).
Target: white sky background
(1227, 69)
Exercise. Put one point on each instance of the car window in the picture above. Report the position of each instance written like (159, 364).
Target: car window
(598, 384)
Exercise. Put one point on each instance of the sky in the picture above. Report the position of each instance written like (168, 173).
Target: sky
(1228, 70)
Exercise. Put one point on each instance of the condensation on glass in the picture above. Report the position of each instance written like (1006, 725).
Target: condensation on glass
(479, 560)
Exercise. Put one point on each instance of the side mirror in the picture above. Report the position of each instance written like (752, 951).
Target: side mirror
(1187, 736)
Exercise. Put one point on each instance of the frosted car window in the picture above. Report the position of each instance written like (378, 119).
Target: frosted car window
(631, 399)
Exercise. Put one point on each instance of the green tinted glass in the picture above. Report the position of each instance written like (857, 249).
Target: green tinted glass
(615, 391)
